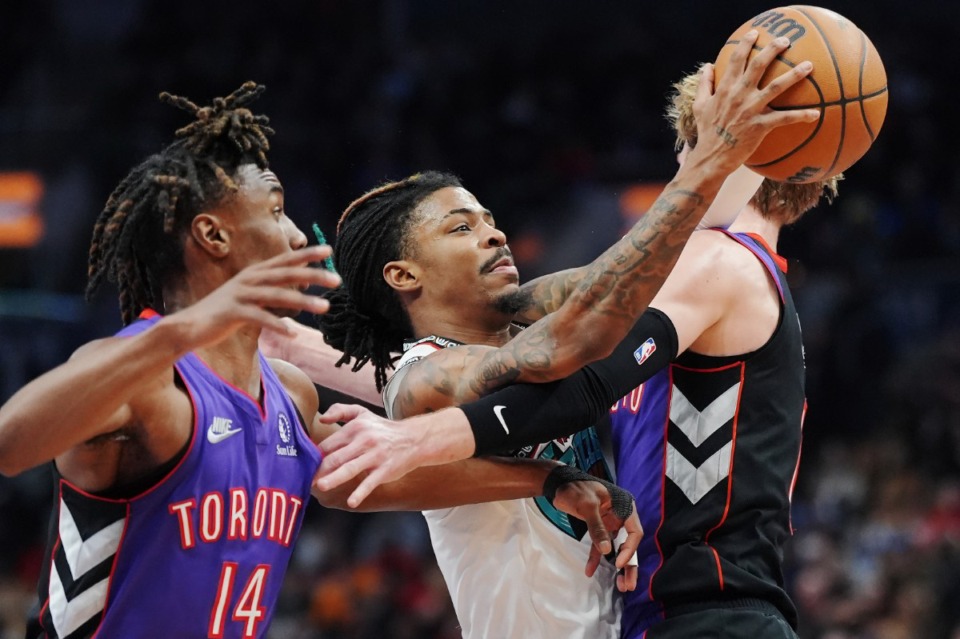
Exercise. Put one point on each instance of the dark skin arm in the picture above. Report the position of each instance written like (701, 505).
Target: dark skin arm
(583, 314)
(548, 293)
(118, 397)
(473, 481)
(597, 312)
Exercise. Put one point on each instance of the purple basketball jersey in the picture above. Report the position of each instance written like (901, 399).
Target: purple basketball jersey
(203, 552)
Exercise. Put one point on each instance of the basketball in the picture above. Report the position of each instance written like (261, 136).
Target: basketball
(848, 85)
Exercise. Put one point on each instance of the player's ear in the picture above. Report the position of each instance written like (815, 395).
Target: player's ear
(402, 276)
(210, 234)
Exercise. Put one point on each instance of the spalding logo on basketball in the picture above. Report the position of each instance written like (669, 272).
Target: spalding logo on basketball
(848, 85)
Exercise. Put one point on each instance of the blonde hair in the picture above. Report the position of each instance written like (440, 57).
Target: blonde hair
(782, 201)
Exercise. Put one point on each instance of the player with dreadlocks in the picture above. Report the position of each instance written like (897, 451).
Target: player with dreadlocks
(137, 240)
(446, 294)
(170, 519)
(182, 459)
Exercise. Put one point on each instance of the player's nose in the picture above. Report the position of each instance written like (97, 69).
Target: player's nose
(494, 237)
(298, 238)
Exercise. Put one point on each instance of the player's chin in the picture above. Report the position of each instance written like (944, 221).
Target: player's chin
(511, 299)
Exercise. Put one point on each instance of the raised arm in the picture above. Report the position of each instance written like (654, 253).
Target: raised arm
(692, 300)
(120, 381)
(601, 301)
(548, 293)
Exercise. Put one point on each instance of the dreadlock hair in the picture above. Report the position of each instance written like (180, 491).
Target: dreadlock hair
(138, 237)
(785, 202)
(366, 320)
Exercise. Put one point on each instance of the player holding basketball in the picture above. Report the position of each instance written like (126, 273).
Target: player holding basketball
(449, 289)
(182, 456)
(709, 445)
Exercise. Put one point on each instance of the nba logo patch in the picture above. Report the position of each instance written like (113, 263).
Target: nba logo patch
(646, 350)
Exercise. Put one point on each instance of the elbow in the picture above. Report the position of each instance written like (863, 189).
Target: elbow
(18, 446)
(11, 464)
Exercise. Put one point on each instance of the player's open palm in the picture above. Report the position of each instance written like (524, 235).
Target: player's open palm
(260, 295)
(734, 116)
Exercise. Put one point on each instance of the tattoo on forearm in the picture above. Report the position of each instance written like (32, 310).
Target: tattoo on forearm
(623, 280)
(612, 292)
(604, 299)
(549, 292)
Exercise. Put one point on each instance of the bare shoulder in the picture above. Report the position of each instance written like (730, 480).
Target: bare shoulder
(298, 386)
(702, 264)
(713, 263)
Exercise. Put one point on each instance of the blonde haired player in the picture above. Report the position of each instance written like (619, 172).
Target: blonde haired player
(709, 446)
(445, 271)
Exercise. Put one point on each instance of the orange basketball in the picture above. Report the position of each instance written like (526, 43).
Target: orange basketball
(848, 85)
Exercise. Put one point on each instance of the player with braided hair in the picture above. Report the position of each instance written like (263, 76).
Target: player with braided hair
(439, 253)
(368, 322)
(708, 401)
(137, 239)
(182, 456)
(162, 437)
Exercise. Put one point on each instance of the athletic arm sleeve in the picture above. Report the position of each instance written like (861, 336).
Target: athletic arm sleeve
(527, 414)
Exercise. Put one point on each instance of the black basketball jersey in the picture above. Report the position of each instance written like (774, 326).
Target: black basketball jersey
(710, 448)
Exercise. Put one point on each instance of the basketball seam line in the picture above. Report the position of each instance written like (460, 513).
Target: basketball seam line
(836, 69)
(863, 64)
(840, 102)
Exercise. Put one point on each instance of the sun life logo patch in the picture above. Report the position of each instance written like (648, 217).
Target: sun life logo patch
(286, 434)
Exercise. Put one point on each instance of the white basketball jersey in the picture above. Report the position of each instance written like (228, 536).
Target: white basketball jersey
(515, 568)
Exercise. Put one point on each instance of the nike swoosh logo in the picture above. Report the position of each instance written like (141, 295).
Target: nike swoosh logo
(498, 411)
(216, 438)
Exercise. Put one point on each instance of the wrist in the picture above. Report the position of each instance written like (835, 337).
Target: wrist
(704, 167)
(560, 475)
(447, 436)
(172, 336)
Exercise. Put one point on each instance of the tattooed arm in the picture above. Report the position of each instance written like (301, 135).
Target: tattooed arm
(604, 299)
(612, 293)
(597, 313)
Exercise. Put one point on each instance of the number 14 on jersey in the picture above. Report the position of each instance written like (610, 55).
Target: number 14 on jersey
(247, 610)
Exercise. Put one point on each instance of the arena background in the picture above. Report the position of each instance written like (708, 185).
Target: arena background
(551, 112)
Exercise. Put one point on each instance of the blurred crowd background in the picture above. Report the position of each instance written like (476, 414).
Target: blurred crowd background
(551, 112)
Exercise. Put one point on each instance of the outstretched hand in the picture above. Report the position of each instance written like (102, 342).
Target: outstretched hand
(385, 449)
(260, 295)
(734, 116)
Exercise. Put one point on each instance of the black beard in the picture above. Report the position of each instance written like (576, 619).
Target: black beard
(514, 302)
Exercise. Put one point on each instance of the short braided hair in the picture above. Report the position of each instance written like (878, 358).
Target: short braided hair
(137, 239)
(366, 320)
